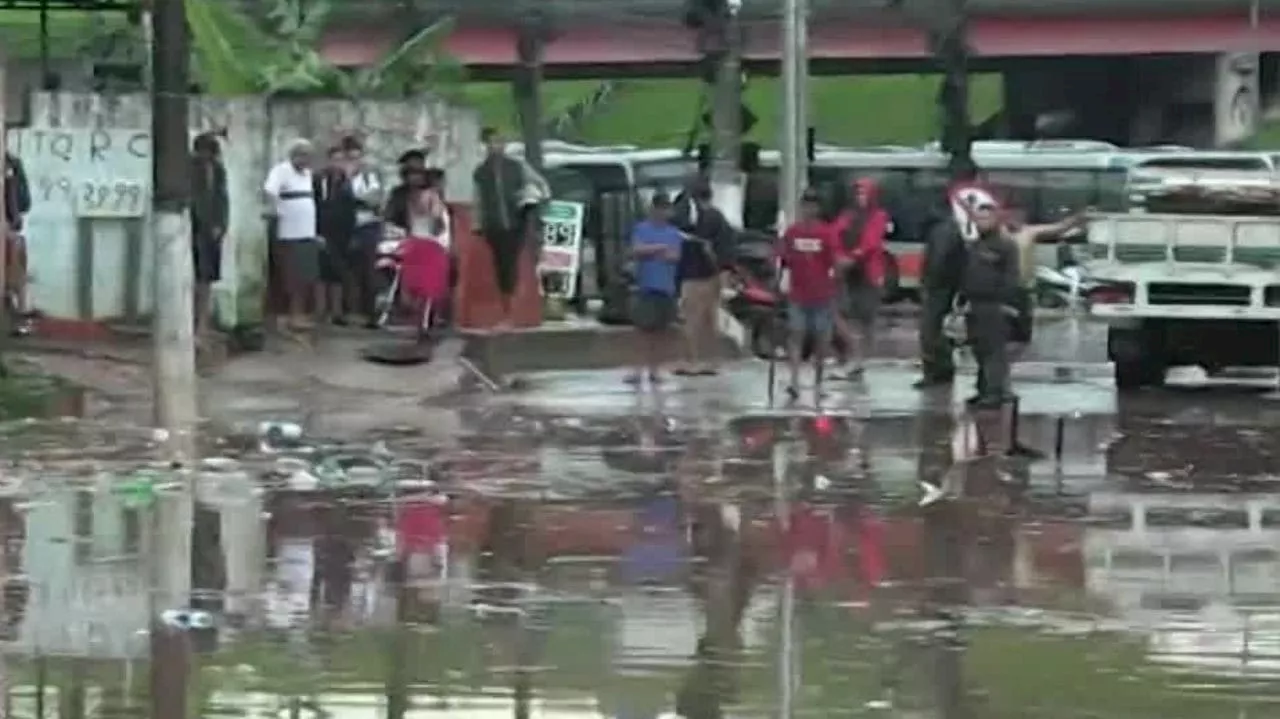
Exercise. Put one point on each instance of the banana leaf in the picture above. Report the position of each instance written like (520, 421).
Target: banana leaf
(405, 65)
(230, 50)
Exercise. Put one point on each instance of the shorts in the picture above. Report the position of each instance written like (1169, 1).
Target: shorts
(652, 311)
(860, 302)
(335, 261)
(816, 320)
(1020, 327)
(206, 255)
(298, 262)
(15, 259)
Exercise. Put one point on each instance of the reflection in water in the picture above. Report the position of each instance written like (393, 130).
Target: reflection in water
(630, 567)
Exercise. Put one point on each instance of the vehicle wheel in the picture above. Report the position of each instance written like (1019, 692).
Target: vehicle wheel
(1130, 375)
(1047, 298)
(892, 279)
(1139, 372)
(1138, 355)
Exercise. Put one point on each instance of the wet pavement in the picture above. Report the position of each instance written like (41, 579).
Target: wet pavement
(576, 548)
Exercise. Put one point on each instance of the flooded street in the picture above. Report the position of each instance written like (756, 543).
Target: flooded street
(578, 549)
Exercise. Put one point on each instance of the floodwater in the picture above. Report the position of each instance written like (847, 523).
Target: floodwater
(578, 550)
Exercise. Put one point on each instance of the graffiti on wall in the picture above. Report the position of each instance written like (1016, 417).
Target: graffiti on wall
(90, 172)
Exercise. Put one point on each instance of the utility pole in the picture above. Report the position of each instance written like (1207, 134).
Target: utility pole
(726, 112)
(4, 221)
(527, 83)
(174, 364)
(793, 143)
(949, 38)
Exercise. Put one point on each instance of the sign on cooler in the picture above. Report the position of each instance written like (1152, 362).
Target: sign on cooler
(561, 247)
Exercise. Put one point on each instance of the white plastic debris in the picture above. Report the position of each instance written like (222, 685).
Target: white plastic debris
(303, 481)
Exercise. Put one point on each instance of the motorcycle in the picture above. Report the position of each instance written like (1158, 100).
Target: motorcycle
(391, 298)
(753, 296)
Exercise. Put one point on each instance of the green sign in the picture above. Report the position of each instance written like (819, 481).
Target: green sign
(561, 246)
(140, 490)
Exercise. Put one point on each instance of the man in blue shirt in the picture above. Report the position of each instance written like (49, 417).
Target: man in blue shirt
(655, 246)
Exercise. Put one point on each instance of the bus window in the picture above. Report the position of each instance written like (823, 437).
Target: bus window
(1112, 195)
(669, 177)
(569, 185)
(1224, 162)
(931, 182)
(604, 177)
(1064, 191)
(1018, 188)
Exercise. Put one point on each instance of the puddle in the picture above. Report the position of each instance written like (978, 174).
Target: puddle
(666, 558)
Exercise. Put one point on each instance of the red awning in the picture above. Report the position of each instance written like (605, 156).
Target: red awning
(637, 43)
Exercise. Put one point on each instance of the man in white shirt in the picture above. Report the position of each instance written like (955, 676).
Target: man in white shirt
(295, 248)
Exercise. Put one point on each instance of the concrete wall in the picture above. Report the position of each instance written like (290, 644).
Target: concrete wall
(88, 158)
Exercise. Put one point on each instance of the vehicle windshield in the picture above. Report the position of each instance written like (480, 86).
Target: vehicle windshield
(1204, 192)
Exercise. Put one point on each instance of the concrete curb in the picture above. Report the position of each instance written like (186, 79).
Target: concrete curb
(1028, 371)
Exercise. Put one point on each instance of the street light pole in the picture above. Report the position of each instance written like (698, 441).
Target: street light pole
(789, 189)
(174, 378)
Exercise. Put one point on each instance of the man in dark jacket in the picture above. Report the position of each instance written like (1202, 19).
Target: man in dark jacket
(17, 203)
(336, 223)
(939, 282)
(210, 211)
(990, 285)
(499, 181)
(705, 251)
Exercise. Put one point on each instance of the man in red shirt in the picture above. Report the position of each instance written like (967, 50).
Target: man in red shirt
(810, 254)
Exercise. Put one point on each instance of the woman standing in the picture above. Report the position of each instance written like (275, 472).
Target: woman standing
(862, 228)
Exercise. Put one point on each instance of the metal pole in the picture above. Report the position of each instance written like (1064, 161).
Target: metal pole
(4, 221)
(802, 97)
(790, 187)
(174, 365)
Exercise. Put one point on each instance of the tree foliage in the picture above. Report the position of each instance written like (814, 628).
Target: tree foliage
(278, 54)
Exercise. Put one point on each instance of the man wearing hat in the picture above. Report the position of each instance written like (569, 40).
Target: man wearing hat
(990, 284)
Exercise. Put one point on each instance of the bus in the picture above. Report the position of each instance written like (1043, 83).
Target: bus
(1046, 179)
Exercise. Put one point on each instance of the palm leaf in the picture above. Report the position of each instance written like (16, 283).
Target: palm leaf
(403, 63)
(230, 50)
(566, 123)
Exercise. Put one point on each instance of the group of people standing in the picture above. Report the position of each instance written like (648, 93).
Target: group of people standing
(833, 275)
(328, 225)
(988, 274)
(324, 227)
(979, 264)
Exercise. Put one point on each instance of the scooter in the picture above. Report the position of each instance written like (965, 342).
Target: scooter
(388, 265)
